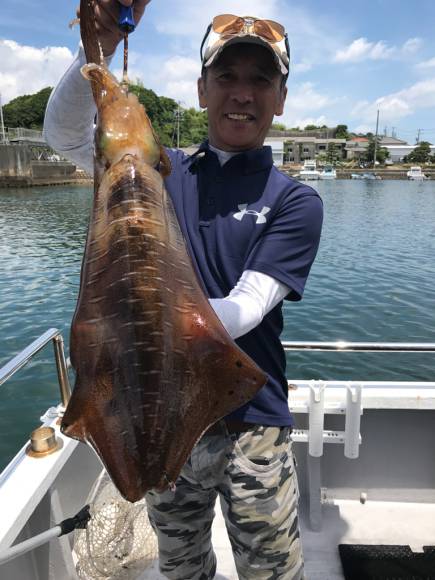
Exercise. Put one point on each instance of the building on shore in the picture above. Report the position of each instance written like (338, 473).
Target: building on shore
(298, 149)
(295, 148)
(356, 148)
(26, 160)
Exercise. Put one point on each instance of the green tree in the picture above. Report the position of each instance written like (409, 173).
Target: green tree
(341, 132)
(193, 127)
(421, 154)
(27, 111)
(381, 152)
(163, 112)
(311, 128)
(279, 127)
(160, 110)
(332, 153)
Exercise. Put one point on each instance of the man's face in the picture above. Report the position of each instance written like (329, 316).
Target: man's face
(242, 92)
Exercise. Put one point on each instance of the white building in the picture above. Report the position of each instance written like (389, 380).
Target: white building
(398, 152)
(277, 145)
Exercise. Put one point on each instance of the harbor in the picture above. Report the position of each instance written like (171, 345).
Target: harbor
(27, 161)
(384, 172)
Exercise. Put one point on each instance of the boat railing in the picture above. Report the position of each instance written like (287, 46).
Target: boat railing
(343, 346)
(21, 359)
(317, 398)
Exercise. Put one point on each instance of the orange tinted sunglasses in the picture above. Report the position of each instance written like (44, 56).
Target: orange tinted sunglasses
(229, 24)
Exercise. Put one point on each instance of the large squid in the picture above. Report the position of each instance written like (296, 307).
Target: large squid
(154, 366)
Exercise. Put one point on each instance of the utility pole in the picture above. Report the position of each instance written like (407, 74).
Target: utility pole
(178, 124)
(376, 140)
(1, 121)
(178, 114)
(418, 136)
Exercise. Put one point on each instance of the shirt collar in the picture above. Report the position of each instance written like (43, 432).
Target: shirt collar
(250, 161)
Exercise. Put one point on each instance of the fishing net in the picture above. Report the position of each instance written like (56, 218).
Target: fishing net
(118, 542)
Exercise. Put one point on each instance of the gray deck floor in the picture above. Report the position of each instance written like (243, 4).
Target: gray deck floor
(346, 522)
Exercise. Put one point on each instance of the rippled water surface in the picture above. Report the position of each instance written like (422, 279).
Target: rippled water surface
(373, 280)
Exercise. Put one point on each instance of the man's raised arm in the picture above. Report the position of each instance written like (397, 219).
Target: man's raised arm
(68, 123)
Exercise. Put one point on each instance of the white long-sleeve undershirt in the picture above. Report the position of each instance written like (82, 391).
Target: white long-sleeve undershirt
(254, 295)
(69, 129)
(69, 118)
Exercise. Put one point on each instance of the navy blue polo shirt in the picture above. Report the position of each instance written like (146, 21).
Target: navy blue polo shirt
(248, 215)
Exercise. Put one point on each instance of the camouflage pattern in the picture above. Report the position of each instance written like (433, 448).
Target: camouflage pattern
(253, 473)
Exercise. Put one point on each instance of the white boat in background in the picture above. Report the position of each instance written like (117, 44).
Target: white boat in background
(416, 174)
(369, 176)
(365, 467)
(309, 171)
(328, 172)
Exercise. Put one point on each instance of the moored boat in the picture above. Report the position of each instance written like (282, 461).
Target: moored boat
(416, 174)
(309, 171)
(328, 172)
(367, 175)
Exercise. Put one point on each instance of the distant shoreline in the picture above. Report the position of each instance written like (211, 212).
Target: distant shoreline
(384, 173)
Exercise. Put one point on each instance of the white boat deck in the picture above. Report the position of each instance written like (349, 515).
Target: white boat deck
(366, 473)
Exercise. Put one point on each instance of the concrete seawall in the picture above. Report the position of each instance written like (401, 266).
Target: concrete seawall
(19, 168)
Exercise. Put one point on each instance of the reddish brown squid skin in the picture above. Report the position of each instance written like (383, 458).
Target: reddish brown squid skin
(154, 366)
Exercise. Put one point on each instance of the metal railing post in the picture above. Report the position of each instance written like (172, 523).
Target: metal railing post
(22, 358)
(62, 371)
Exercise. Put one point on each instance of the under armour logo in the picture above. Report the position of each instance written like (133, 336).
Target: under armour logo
(261, 215)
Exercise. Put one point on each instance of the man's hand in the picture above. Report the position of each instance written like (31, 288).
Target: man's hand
(106, 16)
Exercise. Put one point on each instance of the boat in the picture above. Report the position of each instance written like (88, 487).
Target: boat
(328, 172)
(309, 171)
(367, 175)
(365, 467)
(415, 173)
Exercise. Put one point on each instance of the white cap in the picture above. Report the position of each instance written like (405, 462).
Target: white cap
(214, 43)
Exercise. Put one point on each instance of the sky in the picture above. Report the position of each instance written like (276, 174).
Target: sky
(348, 59)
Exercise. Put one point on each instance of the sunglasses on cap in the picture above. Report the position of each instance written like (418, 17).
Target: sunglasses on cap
(227, 28)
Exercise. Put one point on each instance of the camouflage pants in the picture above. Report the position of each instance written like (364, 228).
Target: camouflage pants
(253, 473)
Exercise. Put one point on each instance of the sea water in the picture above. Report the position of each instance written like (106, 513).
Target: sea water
(373, 280)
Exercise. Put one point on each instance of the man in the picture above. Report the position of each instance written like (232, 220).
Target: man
(253, 234)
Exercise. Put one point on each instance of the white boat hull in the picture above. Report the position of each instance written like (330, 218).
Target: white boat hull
(364, 500)
(308, 177)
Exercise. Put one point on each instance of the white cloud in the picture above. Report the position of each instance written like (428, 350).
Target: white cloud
(178, 80)
(175, 77)
(412, 45)
(304, 97)
(26, 69)
(300, 67)
(310, 38)
(426, 64)
(302, 100)
(361, 49)
(364, 129)
(397, 105)
(191, 19)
